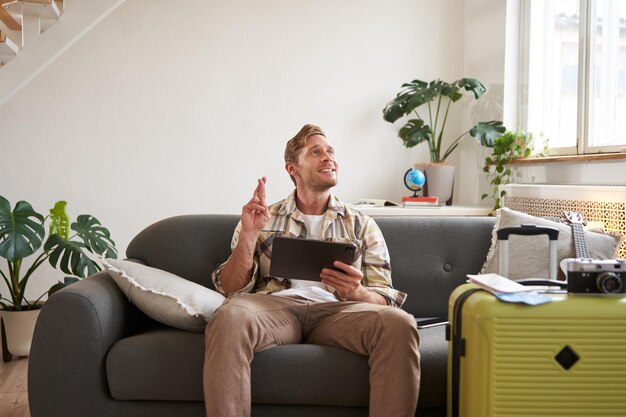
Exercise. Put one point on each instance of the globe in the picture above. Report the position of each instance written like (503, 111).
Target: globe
(414, 179)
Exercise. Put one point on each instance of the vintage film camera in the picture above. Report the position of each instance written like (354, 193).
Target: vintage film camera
(595, 276)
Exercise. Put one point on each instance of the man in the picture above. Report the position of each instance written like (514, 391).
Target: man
(354, 308)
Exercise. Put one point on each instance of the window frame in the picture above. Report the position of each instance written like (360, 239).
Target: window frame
(585, 75)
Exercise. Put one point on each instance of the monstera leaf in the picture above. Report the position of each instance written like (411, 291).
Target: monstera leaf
(412, 95)
(451, 91)
(96, 237)
(487, 132)
(21, 230)
(473, 85)
(59, 220)
(70, 257)
(414, 132)
(60, 285)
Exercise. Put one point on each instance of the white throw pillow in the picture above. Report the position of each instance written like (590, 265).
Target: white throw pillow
(163, 296)
(528, 255)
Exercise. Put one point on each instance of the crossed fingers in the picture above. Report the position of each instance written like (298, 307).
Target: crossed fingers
(257, 203)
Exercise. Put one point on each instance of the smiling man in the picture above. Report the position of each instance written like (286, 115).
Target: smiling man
(353, 307)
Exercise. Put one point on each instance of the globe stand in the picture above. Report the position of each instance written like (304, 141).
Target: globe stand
(413, 182)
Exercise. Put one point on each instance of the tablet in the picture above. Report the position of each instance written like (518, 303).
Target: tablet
(294, 258)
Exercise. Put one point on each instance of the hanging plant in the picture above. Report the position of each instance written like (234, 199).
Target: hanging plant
(506, 148)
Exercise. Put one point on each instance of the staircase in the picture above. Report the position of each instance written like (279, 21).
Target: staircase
(33, 33)
(24, 20)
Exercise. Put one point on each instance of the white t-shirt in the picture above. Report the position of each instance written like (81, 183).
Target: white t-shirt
(314, 225)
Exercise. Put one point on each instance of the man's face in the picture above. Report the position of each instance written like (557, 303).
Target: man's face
(315, 167)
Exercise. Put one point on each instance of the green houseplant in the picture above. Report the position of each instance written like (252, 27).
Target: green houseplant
(506, 148)
(22, 234)
(437, 97)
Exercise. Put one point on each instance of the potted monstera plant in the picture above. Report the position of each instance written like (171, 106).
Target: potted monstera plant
(68, 247)
(427, 105)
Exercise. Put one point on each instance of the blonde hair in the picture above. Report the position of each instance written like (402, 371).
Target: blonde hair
(299, 141)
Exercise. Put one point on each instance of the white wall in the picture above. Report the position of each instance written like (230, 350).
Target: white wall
(483, 42)
(164, 110)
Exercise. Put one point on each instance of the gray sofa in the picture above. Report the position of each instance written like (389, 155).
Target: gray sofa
(94, 354)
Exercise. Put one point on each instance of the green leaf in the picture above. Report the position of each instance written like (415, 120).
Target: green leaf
(70, 257)
(21, 231)
(421, 96)
(487, 132)
(95, 236)
(60, 285)
(414, 132)
(473, 85)
(395, 109)
(450, 91)
(412, 95)
(482, 197)
(416, 85)
(59, 220)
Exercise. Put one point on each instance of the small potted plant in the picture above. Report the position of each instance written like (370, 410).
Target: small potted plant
(511, 145)
(435, 99)
(22, 234)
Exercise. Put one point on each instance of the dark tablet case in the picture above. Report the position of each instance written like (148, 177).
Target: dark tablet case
(294, 258)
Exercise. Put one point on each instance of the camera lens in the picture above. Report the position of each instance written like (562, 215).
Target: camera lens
(609, 283)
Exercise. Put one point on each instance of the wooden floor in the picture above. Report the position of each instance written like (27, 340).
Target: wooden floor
(13, 388)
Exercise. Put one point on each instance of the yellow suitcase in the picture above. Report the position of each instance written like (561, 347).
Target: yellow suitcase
(563, 358)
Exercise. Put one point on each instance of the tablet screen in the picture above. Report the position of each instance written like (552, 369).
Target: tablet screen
(294, 258)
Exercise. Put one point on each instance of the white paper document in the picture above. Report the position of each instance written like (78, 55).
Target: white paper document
(508, 290)
(497, 283)
(309, 293)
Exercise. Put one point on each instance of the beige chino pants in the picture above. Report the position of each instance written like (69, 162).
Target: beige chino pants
(249, 323)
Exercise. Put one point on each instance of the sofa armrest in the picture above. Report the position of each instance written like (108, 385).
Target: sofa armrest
(75, 329)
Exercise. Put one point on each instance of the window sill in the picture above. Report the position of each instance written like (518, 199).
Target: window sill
(569, 158)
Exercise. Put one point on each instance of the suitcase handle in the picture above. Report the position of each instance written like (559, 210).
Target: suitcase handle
(528, 230)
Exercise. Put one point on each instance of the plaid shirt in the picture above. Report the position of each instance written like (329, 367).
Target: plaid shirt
(341, 224)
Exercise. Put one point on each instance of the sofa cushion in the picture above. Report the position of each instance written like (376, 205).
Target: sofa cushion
(163, 296)
(166, 364)
(528, 255)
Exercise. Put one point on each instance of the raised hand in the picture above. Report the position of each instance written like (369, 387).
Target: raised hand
(255, 214)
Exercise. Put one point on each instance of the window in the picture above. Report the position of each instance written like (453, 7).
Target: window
(573, 70)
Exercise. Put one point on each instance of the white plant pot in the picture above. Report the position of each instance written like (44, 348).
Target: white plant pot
(19, 327)
(439, 180)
